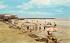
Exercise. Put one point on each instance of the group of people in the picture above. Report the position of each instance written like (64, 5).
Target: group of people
(49, 36)
(14, 23)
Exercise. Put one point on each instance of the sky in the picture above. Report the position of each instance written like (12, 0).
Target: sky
(36, 8)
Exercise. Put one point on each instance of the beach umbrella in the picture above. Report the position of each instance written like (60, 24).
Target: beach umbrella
(52, 29)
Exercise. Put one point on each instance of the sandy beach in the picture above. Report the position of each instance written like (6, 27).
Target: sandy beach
(10, 35)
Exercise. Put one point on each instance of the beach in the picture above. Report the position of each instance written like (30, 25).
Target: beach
(11, 35)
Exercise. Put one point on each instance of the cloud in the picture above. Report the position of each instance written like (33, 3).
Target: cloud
(2, 5)
(35, 8)
(41, 3)
(24, 6)
(60, 2)
(51, 2)
(31, 3)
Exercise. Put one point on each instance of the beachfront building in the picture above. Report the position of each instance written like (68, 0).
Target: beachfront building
(7, 17)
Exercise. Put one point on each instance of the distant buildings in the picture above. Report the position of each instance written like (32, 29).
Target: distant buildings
(6, 17)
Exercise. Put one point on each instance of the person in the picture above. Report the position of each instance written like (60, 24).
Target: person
(40, 27)
(54, 40)
(49, 33)
(44, 28)
(27, 27)
(54, 24)
(49, 23)
(51, 37)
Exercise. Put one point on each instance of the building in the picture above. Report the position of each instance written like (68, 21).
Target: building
(7, 17)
